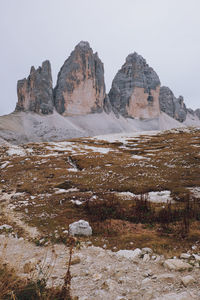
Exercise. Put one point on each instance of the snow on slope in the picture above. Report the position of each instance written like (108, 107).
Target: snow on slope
(24, 127)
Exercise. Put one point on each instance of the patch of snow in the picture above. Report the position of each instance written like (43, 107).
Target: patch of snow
(139, 157)
(98, 149)
(160, 197)
(62, 191)
(155, 197)
(4, 165)
(5, 226)
(16, 150)
(77, 202)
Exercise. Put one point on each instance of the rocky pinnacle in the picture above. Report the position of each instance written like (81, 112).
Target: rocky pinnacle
(135, 89)
(35, 93)
(80, 85)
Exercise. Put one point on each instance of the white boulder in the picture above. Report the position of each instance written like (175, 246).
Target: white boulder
(129, 254)
(6, 227)
(186, 280)
(80, 228)
(176, 265)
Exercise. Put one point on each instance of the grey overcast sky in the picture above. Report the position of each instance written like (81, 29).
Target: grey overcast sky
(165, 32)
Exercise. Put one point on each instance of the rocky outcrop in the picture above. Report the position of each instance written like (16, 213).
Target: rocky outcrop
(80, 85)
(135, 89)
(35, 93)
(174, 107)
(197, 113)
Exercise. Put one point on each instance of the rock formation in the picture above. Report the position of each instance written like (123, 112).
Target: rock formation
(135, 89)
(174, 107)
(80, 90)
(197, 113)
(35, 93)
(80, 85)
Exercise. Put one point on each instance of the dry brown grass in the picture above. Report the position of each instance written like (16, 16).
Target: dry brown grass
(174, 164)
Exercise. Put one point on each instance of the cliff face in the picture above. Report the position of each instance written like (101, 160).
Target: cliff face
(35, 93)
(197, 112)
(80, 85)
(135, 89)
(174, 107)
(80, 89)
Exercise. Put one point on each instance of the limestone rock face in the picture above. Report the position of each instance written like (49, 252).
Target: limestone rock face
(197, 113)
(174, 107)
(135, 89)
(80, 85)
(167, 101)
(180, 109)
(35, 93)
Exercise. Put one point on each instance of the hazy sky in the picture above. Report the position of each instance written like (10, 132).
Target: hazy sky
(165, 32)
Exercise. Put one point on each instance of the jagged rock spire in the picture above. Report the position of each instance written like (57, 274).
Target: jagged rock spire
(80, 85)
(35, 93)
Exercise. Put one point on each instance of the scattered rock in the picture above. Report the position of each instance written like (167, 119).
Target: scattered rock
(147, 250)
(167, 277)
(129, 254)
(146, 258)
(187, 280)
(174, 296)
(177, 265)
(80, 228)
(75, 260)
(197, 257)
(185, 256)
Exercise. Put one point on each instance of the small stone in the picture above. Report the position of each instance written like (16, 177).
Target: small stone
(185, 256)
(197, 257)
(167, 277)
(75, 260)
(146, 258)
(177, 265)
(147, 250)
(97, 277)
(146, 280)
(187, 280)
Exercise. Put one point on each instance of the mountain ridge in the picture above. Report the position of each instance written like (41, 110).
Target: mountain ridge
(78, 105)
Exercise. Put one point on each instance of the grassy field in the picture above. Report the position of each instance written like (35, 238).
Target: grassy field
(46, 180)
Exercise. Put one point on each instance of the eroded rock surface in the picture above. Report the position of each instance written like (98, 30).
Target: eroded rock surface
(135, 89)
(80, 85)
(174, 107)
(35, 93)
